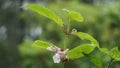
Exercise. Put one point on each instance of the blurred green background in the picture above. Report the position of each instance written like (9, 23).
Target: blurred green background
(20, 27)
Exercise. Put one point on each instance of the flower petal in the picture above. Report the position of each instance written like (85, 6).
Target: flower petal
(56, 58)
(54, 49)
(50, 48)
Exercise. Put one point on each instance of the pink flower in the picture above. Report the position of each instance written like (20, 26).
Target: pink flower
(59, 55)
(56, 58)
(54, 49)
(62, 53)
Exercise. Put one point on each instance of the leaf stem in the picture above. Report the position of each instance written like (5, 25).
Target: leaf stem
(65, 42)
(66, 38)
(67, 35)
(109, 65)
(62, 64)
(68, 28)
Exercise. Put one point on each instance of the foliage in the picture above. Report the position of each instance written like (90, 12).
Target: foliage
(84, 48)
(42, 44)
(101, 20)
(113, 53)
(27, 50)
(45, 12)
(90, 20)
(79, 50)
(74, 15)
(75, 52)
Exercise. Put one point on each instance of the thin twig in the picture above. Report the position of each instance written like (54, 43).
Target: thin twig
(65, 30)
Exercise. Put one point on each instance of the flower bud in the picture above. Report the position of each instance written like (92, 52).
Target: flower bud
(73, 31)
(66, 58)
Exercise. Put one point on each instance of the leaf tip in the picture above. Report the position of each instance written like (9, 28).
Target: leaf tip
(35, 43)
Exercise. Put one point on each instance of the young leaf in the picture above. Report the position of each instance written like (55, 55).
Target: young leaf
(27, 50)
(42, 44)
(115, 54)
(78, 51)
(74, 15)
(87, 37)
(45, 12)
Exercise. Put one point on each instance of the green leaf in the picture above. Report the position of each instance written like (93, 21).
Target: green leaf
(115, 54)
(78, 51)
(26, 49)
(42, 44)
(74, 15)
(87, 37)
(104, 50)
(45, 12)
(94, 60)
(84, 48)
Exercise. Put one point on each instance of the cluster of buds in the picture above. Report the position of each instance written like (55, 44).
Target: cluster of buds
(59, 54)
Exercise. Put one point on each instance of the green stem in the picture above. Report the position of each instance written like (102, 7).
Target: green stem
(62, 64)
(67, 36)
(65, 42)
(110, 63)
(68, 28)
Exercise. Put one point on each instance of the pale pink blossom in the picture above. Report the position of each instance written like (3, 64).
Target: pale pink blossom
(54, 49)
(56, 58)
(59, 54)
